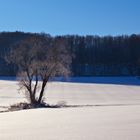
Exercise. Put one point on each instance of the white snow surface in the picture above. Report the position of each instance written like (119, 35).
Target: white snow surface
(109, 112)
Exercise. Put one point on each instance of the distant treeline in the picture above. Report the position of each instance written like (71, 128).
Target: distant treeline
(94, 55)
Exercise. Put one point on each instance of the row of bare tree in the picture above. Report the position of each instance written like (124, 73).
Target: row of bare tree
(95, 55)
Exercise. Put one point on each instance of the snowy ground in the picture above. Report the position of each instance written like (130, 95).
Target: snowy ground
(115, 114)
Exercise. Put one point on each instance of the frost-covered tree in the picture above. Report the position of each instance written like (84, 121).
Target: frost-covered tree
(39, 58)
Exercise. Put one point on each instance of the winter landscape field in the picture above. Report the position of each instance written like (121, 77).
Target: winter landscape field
(70, 70)
(98, 108)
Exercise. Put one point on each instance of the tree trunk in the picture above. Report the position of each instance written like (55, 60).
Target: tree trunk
(42, 91)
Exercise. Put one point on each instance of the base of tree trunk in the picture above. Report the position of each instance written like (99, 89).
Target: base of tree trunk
(24, 106)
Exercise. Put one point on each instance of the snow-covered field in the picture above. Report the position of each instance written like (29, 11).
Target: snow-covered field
(110, 111)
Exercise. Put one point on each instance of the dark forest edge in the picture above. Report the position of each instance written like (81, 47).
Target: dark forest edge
(95, 55)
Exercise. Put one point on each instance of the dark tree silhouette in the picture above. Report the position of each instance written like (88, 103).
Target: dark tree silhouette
(95, 55)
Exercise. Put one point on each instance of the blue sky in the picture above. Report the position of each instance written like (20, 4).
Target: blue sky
(59, 17)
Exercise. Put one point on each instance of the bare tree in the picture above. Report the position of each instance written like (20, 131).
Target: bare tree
(38, 59)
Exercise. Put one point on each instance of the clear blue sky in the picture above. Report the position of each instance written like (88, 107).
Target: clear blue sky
(59, 17)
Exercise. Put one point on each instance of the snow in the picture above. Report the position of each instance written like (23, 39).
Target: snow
(110, 111)
(92, 123)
